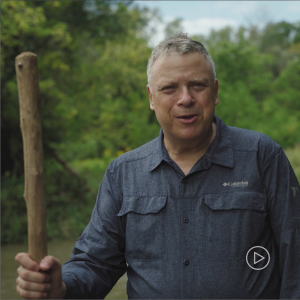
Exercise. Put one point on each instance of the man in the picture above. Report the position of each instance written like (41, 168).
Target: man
(180, 213)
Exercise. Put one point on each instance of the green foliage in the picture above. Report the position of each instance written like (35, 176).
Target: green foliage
(83, 50)
(13, 210)
(259, 87)
(68, 203)
(294, 158)
(237, 106)
(282, 107)
(116, 106)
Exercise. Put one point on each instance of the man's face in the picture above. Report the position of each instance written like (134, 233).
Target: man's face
(183, 95)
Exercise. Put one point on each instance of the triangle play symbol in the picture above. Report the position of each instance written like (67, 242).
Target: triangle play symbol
(255, 259)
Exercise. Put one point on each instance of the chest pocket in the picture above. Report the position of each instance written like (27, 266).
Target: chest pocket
(235, 222)
(145, 227)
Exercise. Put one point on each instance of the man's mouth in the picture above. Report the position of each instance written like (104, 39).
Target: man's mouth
(186, 117)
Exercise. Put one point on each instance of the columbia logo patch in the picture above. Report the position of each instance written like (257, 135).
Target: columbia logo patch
(236, 184)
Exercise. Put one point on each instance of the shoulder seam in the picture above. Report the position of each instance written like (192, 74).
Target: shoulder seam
(275, 153)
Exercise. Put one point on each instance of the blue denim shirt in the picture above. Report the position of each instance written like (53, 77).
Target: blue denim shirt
(186, 237)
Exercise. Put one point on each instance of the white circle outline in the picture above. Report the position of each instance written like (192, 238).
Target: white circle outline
(257, 269)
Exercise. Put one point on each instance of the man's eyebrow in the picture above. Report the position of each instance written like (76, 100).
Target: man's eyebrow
(165, 83)
(204, 80)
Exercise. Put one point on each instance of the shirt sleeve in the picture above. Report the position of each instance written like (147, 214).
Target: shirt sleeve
(283, 204)
(97, 260)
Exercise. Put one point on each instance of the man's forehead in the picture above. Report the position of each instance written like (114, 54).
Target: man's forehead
(194, 65)
(174, 79)
(173, 61)
(173, 56)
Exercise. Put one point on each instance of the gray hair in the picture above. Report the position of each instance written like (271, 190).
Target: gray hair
(178, 44)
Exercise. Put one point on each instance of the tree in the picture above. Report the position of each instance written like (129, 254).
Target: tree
(173, 27)
(68, 38)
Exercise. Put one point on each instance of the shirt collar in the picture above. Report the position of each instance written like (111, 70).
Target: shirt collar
(160, 153)
(220, 151)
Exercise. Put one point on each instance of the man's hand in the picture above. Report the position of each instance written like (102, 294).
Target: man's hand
(33, 284)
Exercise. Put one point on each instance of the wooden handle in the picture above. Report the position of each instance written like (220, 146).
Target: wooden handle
(30, 119)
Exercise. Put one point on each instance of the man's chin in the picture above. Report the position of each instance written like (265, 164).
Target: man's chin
(187, 136)
(190, 135)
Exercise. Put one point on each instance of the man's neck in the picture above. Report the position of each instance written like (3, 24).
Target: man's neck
(186, 154)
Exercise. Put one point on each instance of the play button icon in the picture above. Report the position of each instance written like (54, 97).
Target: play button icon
(257, 258)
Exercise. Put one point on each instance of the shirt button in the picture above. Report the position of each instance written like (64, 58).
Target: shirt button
(185, 181)
(185, 220)
(186, 262)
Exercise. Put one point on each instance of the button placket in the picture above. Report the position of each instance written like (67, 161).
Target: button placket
(207, 163)
(186, 240)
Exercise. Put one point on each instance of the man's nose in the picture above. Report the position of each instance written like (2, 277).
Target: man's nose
(185, 97)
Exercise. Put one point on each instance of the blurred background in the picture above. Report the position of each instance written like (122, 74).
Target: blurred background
(92, 58)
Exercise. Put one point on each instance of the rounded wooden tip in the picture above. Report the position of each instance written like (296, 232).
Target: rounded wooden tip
(25, 54)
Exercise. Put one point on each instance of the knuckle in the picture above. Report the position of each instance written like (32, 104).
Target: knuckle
(21, 283)
(25, 274)
(20, 291)
(25, 285)
(17, 257)
(23, 293)
(51, 260)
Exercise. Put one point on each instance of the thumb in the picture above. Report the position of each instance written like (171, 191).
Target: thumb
(53, 267)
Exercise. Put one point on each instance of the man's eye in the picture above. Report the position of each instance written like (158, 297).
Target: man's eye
(197, 84)
(168, 87)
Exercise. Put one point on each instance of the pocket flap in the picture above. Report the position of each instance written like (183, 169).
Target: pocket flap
(142, 205)
(245, 200)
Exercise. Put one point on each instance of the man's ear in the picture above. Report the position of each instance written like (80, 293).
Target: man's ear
(150, 97)
(216, 92)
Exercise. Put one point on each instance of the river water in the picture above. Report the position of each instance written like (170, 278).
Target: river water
(61, 250)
